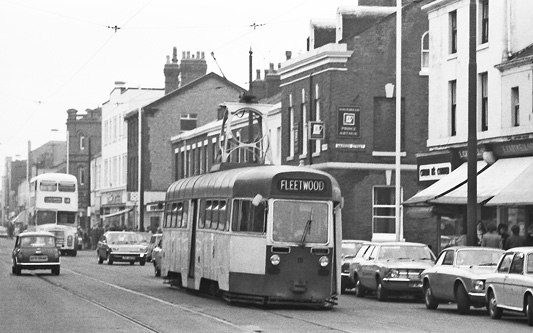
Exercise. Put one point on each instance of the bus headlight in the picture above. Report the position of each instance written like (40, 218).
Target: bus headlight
(275, 260)
(324, 261)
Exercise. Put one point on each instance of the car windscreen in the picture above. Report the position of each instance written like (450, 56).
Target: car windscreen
(478, 258)
(399, 252)
(349, 250)
(122, 238)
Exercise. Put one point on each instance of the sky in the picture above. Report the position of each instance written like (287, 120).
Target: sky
(61, 54)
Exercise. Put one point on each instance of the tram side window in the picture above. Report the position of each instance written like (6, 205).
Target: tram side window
(247, 217)
(208, 213)
(222, 215)
(214, 215)
(184, 214)
(168, 220)
(178, 215)
(201, 216)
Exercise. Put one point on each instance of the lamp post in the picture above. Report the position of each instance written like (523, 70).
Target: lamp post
(140, 184)
(398, 118)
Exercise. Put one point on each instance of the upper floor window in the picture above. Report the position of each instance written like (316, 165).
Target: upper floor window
(303, 127)
(292, 132)
(81, 175)
(515, 106)
(318, 117)
(453, 32)
(82, 142)
(383, 209)
(453, 108)
(188, 121)
(424, 52)
(484, 20)
(483, 78)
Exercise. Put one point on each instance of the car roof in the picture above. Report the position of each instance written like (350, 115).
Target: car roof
(401, 243)
(120, 232)
(525, 249)
(476, 248)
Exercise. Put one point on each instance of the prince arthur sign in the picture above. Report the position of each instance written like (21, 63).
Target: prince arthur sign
(348, 121)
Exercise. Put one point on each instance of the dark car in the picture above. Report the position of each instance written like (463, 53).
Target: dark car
(121, 246)
(459, 276)
(349, 249)
(35, 250)
(392, 268)
(510, 287)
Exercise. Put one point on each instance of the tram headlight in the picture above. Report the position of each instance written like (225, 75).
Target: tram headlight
(275, 260)
(324, 261)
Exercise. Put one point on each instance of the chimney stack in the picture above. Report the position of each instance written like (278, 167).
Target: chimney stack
(172, 72)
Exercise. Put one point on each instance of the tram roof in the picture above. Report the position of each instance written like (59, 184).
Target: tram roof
(245, 182)
(55, 176)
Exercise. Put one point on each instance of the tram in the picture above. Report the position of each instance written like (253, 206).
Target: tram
(260, 234)
(54, 208)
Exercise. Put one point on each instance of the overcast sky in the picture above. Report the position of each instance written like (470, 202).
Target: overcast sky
(62, 54)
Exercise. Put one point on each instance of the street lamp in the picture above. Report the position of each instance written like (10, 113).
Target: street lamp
(398, 116)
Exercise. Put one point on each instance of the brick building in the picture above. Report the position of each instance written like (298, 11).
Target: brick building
(341, 82)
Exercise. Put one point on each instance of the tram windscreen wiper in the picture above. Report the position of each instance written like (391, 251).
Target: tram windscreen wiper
(307, 229)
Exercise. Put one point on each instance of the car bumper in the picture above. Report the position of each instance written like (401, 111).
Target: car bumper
(40, 265)
(477, 297)
(403, 285)
(119, 256)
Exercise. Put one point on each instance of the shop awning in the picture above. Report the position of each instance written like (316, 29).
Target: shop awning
(519, 191)
(120, 212)
(490, 182)
(455, 179)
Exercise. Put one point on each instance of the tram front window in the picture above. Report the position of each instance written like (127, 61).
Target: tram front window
(300, 221)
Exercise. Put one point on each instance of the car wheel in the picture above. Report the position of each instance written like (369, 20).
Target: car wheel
(18, 270)
(381, 292)
(360, 291)
(430, 300)
(529, 310)
(463, 302)
(142, 262)
(494, 311)
(56, 270)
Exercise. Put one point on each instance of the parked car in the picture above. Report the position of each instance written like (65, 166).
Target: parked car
(124, 246)
(3, 232)
(392, 267)
(459, 276)
(154, 240)
(365, 249)
(510, 288)
(157, 254)
(35, 250)
(349, 249)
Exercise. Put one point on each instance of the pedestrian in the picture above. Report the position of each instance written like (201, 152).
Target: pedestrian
(528, 241)
(491, 237)
(503, 232)
(515, 240)
(481, 230)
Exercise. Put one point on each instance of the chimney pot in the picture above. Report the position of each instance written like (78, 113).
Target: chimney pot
(288, 55)
(258, 71)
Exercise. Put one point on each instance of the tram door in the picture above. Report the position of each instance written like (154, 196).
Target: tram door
(192, 239)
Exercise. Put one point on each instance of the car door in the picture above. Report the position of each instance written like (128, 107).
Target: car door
(368, 267)
(514, 288)
(500, 277)
(443, 282)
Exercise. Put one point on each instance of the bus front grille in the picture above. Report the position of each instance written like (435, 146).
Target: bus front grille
(60, 237)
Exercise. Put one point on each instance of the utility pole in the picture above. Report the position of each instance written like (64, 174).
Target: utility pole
(471, 221)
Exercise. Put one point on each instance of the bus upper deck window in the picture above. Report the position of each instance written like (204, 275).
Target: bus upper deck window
(67, 187)
(49, 186)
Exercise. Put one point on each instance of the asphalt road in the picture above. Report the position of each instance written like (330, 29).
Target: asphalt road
(88, 297)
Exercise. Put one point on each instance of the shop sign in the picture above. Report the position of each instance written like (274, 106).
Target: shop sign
(352, 146)
(112, 197)
(434, 171)
(348, 121)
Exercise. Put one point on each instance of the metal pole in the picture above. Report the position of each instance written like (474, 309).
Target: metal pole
(68, 152)
(140, 187)
(471, 221)
(398, 117)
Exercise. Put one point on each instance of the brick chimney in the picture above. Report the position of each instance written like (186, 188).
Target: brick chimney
(273, 80)
(192, 68)
(172, 73)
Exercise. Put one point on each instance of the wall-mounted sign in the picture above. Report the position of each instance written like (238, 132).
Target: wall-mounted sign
(355, 146)
(348, 121)
(434, 171)
(316, 130)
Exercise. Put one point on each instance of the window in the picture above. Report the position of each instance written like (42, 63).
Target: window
(303, 127)
(82, 142)
(188, 121)
(318, 116)
(515, 106)
(208, 213)
(505, 263)
(483, 78)
(81, 175)
(448, 259)
(424, 52)
(484, 20)
(291, 128)
(453, 107)
(453, 32)
(48, 186)
(517, 267)
(247, 217)
(383, 210)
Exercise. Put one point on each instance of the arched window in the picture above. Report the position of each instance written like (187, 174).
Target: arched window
(424, 53)
(82, 142)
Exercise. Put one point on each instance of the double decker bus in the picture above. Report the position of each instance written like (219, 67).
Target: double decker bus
(260, 234)
(54, 208)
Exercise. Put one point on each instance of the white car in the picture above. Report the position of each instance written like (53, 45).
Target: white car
(510, 288)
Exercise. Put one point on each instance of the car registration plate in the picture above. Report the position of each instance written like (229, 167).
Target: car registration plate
(38, 258)
(128, 258)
